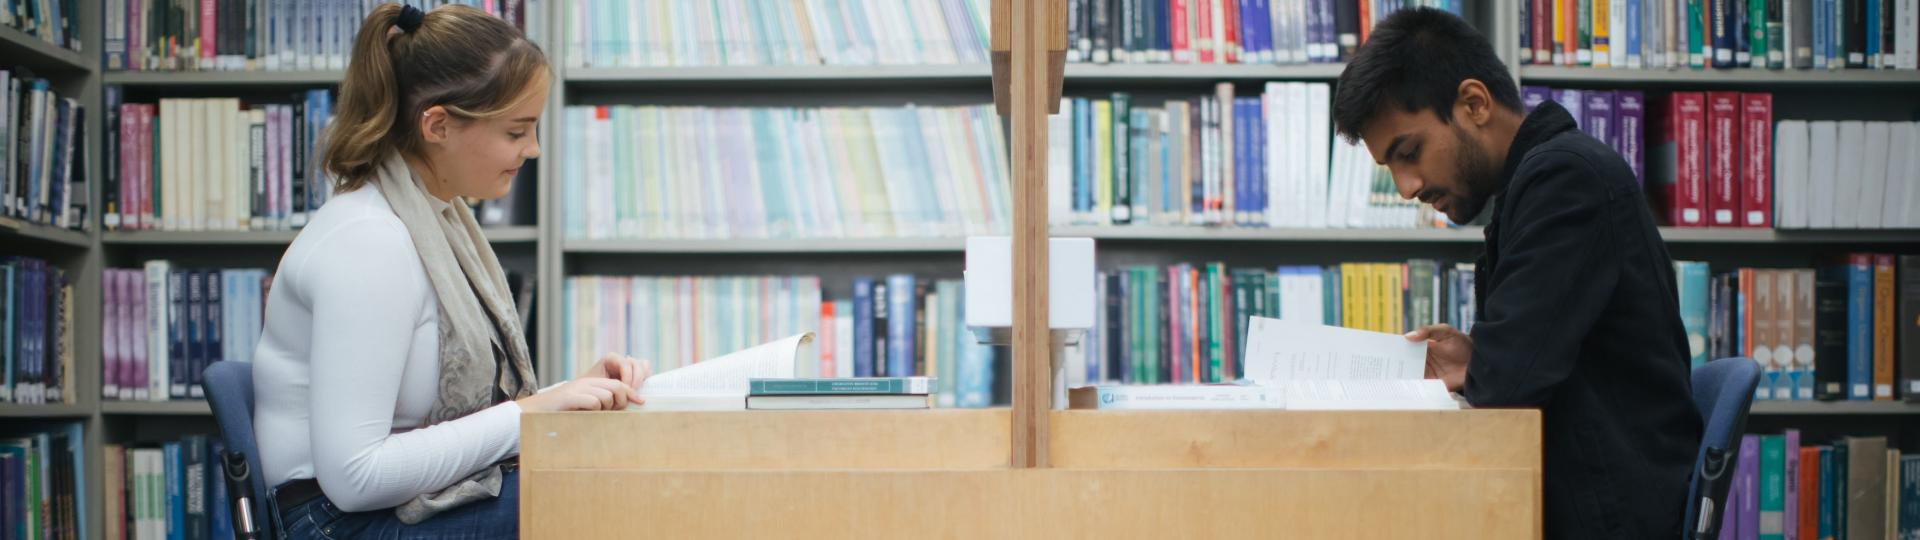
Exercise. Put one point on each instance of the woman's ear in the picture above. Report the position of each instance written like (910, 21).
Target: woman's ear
(433, 124)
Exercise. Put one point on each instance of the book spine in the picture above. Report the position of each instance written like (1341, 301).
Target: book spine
(1854, 32)
(1723, 172)
(1859, 327)
(900, 323)
(1123, 174)
(1756, 193)
(178, 334)
(1830, 333)
(110, 191)
(1793, 484)
(1690, 174)
(1772, 492)
(1776, 34)
(1883, 324)
(1631, 111)
(215, 328)
(1908, 323)
(1602, 40)
(863, 325)
(1746, 509)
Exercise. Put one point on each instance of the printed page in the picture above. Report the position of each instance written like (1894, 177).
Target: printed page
(1365, 395)
(726, 375)
(1279, 351)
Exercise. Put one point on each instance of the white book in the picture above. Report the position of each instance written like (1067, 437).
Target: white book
(1617, 33)
(159, 322)
(1273, 105)
(239, 149)
(1823, 166)
(1873, 186)
(1319, 137)
(721, 383)
(1337, 192)
(1360, 186)
(1906, 42)
(1895, 182)
(1295, 152)
(1790, 174)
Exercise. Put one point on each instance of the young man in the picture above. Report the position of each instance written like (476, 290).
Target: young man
(1577, 310)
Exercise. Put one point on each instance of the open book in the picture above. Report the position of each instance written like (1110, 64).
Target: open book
(1320, 367)
(721, 383)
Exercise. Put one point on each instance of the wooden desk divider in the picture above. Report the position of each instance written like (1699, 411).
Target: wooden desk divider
(1031, 472)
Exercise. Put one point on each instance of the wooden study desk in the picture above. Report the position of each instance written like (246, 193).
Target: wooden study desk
(947, 474)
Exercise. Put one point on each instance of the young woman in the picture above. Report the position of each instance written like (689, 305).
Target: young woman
(393, 369)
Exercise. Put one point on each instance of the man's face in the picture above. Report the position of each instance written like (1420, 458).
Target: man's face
(1439, 163)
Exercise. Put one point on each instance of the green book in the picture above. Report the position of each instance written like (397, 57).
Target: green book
(1584, 54)
(1773, 486)
(1757, 34)
(1217, 328)
(858, 386)
(1696, 33)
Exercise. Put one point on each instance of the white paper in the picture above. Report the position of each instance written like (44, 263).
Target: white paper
(722, 383)
(1404, 394)
(1280, 351)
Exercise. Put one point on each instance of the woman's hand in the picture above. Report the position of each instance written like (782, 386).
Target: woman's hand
(621, 368)
(582, 394)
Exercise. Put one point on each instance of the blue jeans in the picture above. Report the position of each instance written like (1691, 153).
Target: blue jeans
(319, 519)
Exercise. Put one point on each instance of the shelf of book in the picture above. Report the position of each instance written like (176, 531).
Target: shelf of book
(58, 410)
(13, 228)
(22, 49)
(223, 78)
(1133, 73)
(1783, 408)
(498, 235)
(1149, 232)
(1864, 77)
(156, 408)
(811, 245)
(759, 76)
(707, 76)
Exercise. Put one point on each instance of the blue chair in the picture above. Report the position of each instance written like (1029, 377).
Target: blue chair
(229, 388)
(1722, 391)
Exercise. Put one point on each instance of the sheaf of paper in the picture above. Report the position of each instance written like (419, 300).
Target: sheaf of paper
(728, 375)
(1279, 351)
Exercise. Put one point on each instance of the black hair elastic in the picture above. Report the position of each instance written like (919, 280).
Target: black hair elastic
(410, 18)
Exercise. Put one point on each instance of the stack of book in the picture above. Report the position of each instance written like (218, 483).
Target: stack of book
(1847, 175)
(783, 172)
(161, 326)
(43, 481)
(1219, 160)
(1726, 34)
(1837, 332)
(36, 332)
(253, 35)
(611, 33)
(43, 165)
(171, 490)
(866, 393)
(214, 163)
(1187, 324)
(1853, 487)
(1226, 31)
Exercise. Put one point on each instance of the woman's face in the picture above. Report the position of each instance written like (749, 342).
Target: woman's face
(478, 159)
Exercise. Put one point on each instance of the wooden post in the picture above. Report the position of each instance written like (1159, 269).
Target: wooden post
(1029, 51)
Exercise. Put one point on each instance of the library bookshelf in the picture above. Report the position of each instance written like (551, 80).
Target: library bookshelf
(541, 249)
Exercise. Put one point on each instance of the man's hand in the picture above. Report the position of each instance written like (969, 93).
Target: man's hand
(1448, 352)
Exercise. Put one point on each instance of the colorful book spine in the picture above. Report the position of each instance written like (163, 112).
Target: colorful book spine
(1723, 163)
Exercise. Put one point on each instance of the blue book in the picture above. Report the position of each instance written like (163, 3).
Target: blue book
(1258, 152)
(863, 338)
(1873, 33)
(1723, 25)
(178, 333)
(14, 455)
(1909, 516)
(1694, 299)
(216, 321)
(900, 325)
(197, 336)
(1827, 486)
(1243, 191)
(194, 485)
(1259, 29)
(1163, 29)
(1633, 39)
(219, 512)
(176, 486)
(9, 321)
(1082, 157)
(1860, 327)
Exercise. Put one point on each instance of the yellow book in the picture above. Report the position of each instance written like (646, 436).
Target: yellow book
(1398, 323)
(1103, 160)
(1601, 47)
(1349, 313)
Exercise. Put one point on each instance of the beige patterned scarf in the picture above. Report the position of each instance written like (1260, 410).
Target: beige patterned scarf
(483, 350)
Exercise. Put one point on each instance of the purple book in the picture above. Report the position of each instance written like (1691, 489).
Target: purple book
(1574, 101)
(110, 333)
(1747, 477)
(1630, 119)
(1599, 117)
(1533, 96)
(1791, 513)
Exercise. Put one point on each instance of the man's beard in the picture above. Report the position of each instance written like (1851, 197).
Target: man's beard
(1477, 175)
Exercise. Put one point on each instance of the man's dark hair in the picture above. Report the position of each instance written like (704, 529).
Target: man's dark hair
(1416, 59)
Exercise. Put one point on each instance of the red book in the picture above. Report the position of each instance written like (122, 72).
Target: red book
(1687, 135)
(1177, 24)
(1883, 299)
(207, 35)
(1230, 30)
(1723, 159)
(1204, 41)
(1570, 23)
(1542, 31)
(1366, 18)
(147, 113)
(1756, 130)
(827, 340)
(129, 156)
